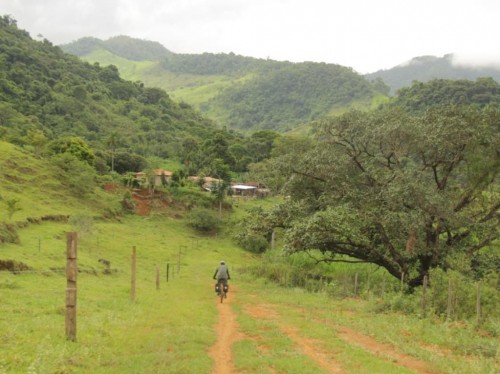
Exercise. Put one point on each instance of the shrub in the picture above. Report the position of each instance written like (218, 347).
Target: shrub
(203, 220)
(252, 242)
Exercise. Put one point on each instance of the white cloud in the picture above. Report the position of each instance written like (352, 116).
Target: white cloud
(365, 34)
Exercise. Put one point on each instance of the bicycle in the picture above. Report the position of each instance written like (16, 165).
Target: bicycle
(221, 289)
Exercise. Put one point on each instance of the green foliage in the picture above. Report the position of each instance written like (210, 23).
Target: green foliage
(212, 64)
(403, 192)
(421, 96)
(290, 94)
(247, 93)
(79, 177)
(190, 198)
(12, 206)
(127, 202)
(127, 161)
(251, 242)
(49, 96)
(75, 146)
(203, 220)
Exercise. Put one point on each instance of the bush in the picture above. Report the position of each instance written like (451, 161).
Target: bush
(203, 220)
(252, 242)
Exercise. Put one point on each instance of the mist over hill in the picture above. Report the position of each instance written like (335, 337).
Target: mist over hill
(426, 68)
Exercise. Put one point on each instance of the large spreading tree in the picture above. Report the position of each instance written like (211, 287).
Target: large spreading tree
(403, 192)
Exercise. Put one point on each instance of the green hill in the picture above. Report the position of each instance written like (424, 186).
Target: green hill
(419, 97)
(239, 92)
(426, 68)
(48, 92)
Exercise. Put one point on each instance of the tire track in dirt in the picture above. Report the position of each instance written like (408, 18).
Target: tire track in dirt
(227, 334)
(385, 351)
(308, 346)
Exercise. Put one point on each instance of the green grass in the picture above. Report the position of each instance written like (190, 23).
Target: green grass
(129, 70)
(172, 329)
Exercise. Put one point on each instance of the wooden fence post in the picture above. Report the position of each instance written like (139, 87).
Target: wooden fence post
(133, 275)
(478, 303)
(168, 268)
(71, 272)
(157, 278)
(402, 280)
(449, 308)
(179, 262)
(273, 240)
(356, 284)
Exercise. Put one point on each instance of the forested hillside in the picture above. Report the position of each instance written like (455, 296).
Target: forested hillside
(45, 91)
(241, 92)
(419, 97)
(426, 68)
(52, 101)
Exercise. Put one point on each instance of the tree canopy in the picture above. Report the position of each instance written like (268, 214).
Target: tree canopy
(401, 191)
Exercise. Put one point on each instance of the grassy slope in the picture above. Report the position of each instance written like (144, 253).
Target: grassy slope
(171, 329)
(33, 182)
(197, 90)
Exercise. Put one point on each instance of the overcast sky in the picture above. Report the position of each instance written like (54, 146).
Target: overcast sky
(366, 35)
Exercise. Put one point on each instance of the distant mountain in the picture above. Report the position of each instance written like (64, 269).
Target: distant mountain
(426, 68)
(238, 92)
(123, 46)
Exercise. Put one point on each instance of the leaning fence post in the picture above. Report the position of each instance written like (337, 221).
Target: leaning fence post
(133, 275)
(71, 271)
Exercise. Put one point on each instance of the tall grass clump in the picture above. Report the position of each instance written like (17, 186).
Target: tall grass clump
(335, 279)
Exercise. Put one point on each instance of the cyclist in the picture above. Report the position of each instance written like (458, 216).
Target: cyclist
(222, 274)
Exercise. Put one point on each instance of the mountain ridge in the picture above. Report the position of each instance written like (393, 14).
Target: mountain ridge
(427, 68)
(245, 93)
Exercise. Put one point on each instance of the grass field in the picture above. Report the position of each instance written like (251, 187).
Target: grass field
(172, 329)
(181, 327)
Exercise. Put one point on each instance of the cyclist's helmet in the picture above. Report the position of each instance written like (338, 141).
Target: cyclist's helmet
(222, 262)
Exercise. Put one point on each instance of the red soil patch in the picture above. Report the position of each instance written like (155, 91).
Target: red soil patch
(141, 200)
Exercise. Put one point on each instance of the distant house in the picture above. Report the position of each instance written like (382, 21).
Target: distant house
(208, 182)
(160, 177)
(243, 190)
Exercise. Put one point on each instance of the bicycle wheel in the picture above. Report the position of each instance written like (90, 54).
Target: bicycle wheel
(221, 291)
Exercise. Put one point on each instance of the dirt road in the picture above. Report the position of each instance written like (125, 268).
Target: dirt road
(228, 333)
